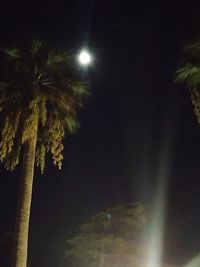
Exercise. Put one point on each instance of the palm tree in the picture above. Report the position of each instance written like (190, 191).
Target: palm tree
(189, 74)
(39, 98)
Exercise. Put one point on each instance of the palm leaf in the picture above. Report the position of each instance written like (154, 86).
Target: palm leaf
(12, 53)
(37, 46)
(189, 74)
(192, 49)
(80, 88)
(57, 58)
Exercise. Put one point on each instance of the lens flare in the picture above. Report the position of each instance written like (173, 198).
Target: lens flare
(158, 218)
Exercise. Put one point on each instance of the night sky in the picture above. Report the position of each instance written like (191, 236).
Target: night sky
(135, 118)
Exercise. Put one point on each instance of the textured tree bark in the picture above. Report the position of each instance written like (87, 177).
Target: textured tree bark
(24, 205)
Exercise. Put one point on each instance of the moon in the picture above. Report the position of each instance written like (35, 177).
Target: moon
(84, 57)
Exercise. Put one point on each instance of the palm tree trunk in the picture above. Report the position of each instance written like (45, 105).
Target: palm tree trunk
(24, 205)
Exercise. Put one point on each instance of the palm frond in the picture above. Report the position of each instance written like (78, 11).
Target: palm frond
(57, 58)
(192, 49)
(37, 46)
(12, 53)
(189, 74)
(80, 88)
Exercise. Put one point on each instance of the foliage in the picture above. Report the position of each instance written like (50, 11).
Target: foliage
(120, 220)
(36, 92)
(113, 232)
(189, 74)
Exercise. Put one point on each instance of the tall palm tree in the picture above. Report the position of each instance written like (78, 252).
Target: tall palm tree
(189, 74)
(39, 98)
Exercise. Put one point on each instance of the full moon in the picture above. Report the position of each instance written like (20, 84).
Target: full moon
(84, 58)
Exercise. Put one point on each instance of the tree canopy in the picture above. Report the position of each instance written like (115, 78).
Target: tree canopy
(38, 91)
(109, 235)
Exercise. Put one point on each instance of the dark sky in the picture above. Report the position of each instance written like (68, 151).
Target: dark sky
(136, 119)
